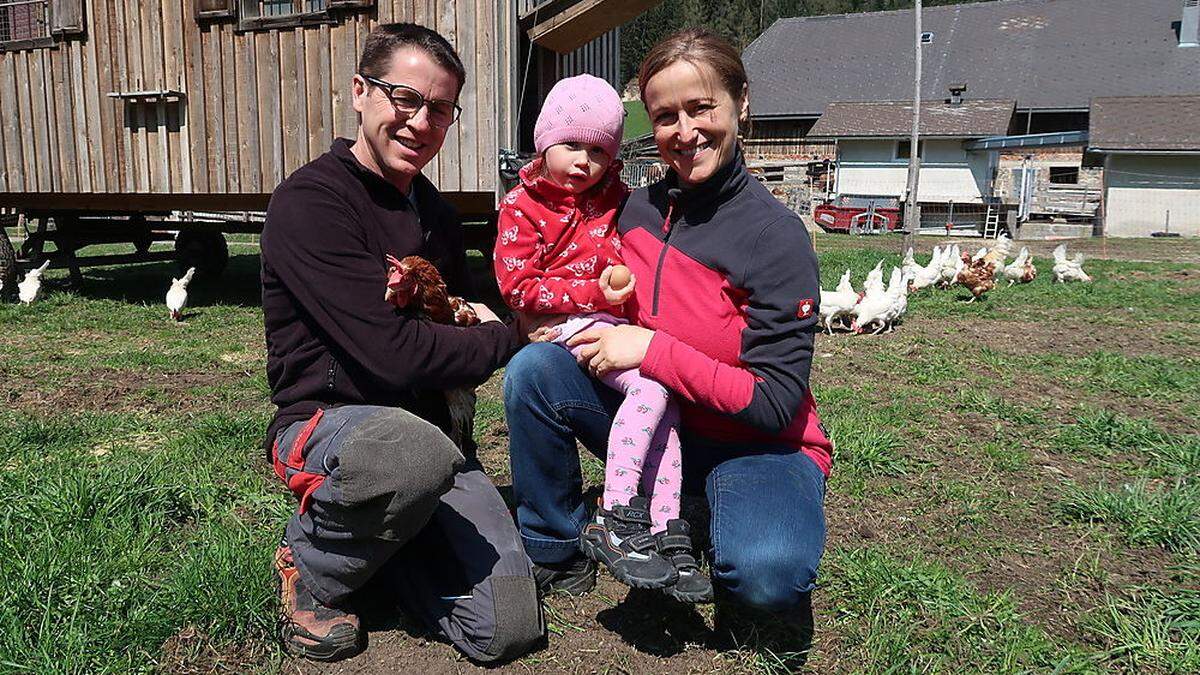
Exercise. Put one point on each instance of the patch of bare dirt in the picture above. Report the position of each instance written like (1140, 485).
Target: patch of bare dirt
(117, 390)
(191, 652)
(611, 629)
(1068, 336)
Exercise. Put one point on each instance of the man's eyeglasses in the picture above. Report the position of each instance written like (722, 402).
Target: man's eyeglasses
(408, 101)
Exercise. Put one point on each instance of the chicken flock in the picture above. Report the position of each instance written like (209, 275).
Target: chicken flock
(877, 308)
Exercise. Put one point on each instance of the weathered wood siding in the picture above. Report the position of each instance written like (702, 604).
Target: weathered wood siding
(256, 105)
(600, 57)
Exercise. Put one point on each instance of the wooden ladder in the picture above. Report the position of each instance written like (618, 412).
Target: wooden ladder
(991, 225)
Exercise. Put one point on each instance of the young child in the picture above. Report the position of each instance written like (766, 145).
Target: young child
(556, 250)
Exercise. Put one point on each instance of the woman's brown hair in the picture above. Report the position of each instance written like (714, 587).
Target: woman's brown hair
(698, 47)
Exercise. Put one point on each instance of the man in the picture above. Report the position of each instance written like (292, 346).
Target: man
(384, 496)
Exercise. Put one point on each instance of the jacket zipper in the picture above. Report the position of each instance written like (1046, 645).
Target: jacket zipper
(332, 373)
(662, 255)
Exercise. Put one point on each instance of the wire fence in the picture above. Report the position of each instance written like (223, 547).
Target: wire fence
(24, 20)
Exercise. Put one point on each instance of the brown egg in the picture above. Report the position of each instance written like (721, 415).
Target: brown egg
(620, 277)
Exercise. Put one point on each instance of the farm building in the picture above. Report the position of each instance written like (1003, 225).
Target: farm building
(117, 112)
(1151, 149)
(1050, 57)
(873, 147)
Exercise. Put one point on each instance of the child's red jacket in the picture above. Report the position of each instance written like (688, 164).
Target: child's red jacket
(551, 245)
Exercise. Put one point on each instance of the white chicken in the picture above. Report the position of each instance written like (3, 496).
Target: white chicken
(909, 267)
(874, 282)
(838, 304)
(923, 277)
(1068, 270)
(1021, 269)
(30, 288)
(880, 310)
(177, 294)
(952, 264)
(900, 305)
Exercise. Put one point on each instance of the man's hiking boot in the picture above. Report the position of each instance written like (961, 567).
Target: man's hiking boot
(574, 577)
(621, 540)
(307, 627)
(675, 545)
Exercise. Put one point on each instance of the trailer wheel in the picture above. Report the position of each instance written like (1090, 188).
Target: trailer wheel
(8, 266)
(202, 249)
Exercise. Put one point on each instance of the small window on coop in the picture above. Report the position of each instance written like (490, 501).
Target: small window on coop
(1064, 175)
(24, 20)
(256, 9)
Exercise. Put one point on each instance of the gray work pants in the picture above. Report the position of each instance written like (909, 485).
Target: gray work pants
(385, 492)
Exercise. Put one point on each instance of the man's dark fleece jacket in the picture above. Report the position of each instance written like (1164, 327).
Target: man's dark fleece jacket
(331, 338)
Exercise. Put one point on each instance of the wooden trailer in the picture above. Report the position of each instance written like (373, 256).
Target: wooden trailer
(119, 118)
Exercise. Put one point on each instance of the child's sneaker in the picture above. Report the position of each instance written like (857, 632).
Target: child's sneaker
(621, 539)
(675, 544)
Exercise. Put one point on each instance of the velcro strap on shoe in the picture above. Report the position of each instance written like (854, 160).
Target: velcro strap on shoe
(643, 541)
(684, 561)
(672, 542)
(631, 515)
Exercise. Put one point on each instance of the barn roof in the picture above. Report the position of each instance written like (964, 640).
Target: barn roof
(1044, 54)
(891, 119)
(1145, 124)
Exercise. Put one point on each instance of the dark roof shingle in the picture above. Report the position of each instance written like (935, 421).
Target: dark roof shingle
(969, 119)
(1145, 123)
(1045, 54)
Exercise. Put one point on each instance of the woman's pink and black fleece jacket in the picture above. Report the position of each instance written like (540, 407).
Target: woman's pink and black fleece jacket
(728, 279)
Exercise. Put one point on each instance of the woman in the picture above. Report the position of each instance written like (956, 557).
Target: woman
(725, 313)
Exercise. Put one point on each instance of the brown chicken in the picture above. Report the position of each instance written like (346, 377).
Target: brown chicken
(979, 276)
(414, 282)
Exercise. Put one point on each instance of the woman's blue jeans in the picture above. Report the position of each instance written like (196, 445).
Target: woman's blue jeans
(768, 516)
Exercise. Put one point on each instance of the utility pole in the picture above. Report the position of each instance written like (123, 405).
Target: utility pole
(911, 222)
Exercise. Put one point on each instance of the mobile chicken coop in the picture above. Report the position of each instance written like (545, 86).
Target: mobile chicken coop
(135, 121)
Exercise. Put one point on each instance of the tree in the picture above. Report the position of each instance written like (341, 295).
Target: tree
(737, 20)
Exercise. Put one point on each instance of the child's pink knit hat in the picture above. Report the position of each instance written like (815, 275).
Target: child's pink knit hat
(581, 109)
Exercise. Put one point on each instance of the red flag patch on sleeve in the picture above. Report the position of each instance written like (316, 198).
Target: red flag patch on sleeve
(805, 308)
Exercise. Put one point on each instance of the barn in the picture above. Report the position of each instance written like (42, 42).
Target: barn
(123, 119)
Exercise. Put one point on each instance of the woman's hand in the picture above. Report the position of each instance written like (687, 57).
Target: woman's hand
(615, 297)
(613, 348)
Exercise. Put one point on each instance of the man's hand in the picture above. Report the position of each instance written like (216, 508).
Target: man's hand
(484, 313)
(615, 297)
(612, 348)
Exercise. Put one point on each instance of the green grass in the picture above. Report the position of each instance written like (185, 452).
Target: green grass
(1163, 515)
(126, 529)
(637, 122)
(1150, 628)
(1103, 433)
(903, 614)
(140, 515)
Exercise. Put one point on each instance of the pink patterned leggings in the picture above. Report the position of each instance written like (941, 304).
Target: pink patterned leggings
(643, 446)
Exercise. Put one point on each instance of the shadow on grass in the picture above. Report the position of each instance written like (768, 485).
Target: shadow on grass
(147, 283)
(654, 624)
(238, 285)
